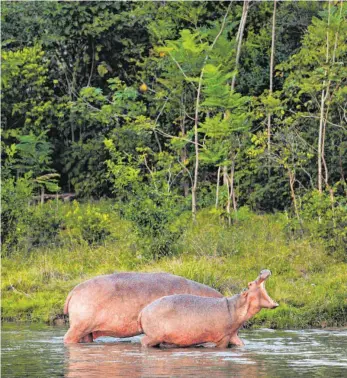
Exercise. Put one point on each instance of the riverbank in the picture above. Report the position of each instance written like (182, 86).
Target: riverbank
(308, 283)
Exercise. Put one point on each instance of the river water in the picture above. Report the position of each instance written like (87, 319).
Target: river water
(37, 350)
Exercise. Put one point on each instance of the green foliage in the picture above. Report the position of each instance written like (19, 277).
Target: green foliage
(325, 216)
(309, 285)
(319, 65)
(72, 77)
(123, 170)
(88, 224)
(28, 227)
(44, 227)
(33, 154)
(15, 197)
(32, 157)
(156, 218)
(68, 74)
(26, 92)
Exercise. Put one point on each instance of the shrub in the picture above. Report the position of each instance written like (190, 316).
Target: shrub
(87, 223)
(325, 217)
(155, 216)
(45, 225)
(24, 225)
(15, 211)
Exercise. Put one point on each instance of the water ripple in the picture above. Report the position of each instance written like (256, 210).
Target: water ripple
(38, 351)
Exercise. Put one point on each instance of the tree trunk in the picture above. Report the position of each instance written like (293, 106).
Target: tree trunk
(225, 175)
(292, 192)
(184, 153)
(326, 172)
(73, 91)
(157, 140)
(228, 203)
(271, 75)
(196, 119)
(232, 186)
(42, 195)
(185, 181)
(217, 189)
(239, 36)
(231, 192)
(323, 118)
(196, 142)
(321, 133)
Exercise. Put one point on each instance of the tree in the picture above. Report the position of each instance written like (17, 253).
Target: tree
(271, 75)
(317, 78)
(193, 72)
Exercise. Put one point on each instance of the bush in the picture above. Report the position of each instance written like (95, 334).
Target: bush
(25, 226)
(46, 222)
(325, 217)
(211, 235)
(155, 216)
(15, 211)
(88, 223)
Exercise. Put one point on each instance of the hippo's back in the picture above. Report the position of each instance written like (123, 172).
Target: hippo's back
(129, 285)
(160, 283)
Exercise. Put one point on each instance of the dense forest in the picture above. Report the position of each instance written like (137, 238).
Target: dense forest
(207, 129)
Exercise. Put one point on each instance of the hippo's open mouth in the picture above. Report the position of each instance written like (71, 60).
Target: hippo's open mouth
(264, 275)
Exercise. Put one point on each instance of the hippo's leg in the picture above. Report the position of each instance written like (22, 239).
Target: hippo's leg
(72, 336)
(148, 342)
(224, 342)
(77, 335)
(87, 338)
(235, 340)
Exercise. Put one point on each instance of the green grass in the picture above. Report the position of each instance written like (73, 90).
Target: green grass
(309, 285)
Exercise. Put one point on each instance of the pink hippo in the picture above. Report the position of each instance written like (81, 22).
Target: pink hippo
(185, 320)
(110, 305)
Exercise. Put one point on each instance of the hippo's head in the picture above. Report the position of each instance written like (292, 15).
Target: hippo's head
(256, 295)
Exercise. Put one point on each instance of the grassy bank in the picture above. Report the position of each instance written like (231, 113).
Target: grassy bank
(309, 284)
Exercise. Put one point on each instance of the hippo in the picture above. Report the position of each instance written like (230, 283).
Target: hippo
(109, 305)
(186, 320)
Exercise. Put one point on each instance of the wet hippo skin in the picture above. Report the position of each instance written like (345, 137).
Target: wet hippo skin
(185, 320)
(109, 305)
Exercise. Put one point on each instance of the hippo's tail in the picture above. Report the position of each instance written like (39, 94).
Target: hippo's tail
(139, 323)
(66, 305)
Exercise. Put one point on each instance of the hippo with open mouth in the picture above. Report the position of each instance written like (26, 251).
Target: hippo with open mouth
(185, 320)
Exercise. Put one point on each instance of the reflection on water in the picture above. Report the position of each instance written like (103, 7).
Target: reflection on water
(38, 351)
(127, 359)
